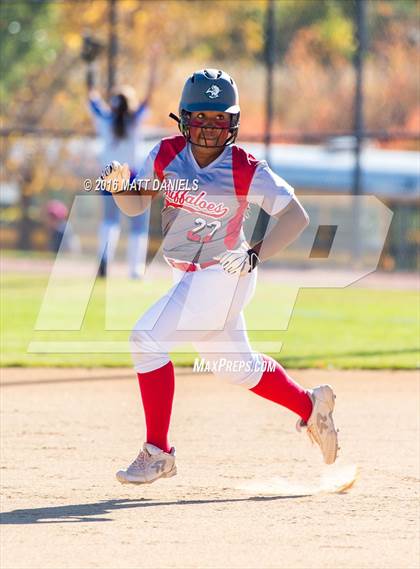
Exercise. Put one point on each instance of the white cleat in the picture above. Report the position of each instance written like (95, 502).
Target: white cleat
(152, 463)
(320, 426)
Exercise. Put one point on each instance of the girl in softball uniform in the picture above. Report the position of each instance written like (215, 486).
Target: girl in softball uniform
(118, 126)
(208, 183)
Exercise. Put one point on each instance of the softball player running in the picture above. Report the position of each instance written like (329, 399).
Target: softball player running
(208, 183)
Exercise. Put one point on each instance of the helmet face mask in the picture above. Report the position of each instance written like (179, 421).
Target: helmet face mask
(209, 90)
(204, 134)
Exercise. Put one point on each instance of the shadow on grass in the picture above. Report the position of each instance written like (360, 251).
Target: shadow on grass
(28, 383)
(360, 353)
(128, 375)
(94, 512)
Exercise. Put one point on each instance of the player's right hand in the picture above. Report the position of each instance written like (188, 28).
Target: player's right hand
(239, 261)
(116, 177)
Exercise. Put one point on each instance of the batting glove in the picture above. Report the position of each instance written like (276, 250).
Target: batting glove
(239, 261)
(115, 177)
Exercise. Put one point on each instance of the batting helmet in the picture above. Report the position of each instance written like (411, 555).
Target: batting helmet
(209, 90)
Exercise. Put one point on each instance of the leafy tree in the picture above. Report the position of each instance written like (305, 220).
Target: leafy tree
(27, 41)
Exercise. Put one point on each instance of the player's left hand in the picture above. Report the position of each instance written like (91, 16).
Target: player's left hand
(239, 261)
(114, 176)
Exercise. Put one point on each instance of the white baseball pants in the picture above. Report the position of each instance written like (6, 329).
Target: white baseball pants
(203, 307)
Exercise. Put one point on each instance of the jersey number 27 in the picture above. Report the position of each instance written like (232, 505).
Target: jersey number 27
(193, 234)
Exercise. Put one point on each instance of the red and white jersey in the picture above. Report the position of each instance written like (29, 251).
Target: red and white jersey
(204, 208)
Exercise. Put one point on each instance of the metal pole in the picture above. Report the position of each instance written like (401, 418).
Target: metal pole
(269, 49)
(358, 96)
(358, 125)
(269, 65)
(112, 45)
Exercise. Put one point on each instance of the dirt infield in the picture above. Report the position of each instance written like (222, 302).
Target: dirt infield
(250, 491)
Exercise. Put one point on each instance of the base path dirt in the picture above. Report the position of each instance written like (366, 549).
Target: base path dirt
(250, 491)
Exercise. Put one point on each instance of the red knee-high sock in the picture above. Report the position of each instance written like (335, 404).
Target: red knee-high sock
(277, 386)
(157, 392)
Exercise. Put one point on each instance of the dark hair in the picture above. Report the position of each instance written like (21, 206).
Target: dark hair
(120, 116)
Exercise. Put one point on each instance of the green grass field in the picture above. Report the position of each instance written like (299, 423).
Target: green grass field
(339, 328)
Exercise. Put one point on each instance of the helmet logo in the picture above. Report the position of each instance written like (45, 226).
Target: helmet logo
(213, 92)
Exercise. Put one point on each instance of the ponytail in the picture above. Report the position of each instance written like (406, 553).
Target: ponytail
(120, 116)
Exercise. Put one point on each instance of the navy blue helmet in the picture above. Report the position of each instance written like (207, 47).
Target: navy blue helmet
(209, 90)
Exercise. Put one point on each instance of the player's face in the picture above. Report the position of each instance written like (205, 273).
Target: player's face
(209, 128)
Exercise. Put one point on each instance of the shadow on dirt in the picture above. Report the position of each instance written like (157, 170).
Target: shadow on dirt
(94, 512)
